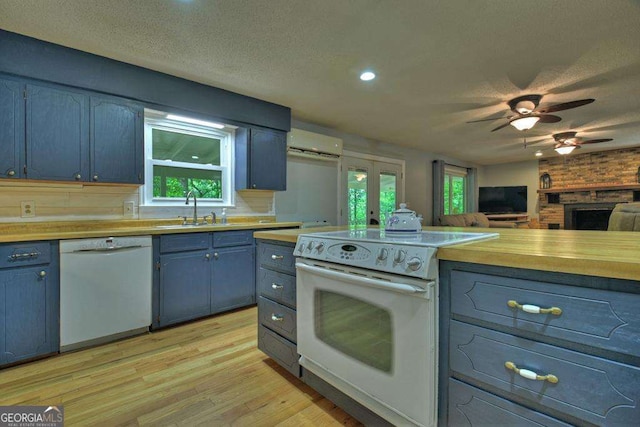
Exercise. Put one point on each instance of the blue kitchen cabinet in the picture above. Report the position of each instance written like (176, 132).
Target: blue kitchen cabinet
(117, 141)
(233, 282)
(11, 128)
(261, 159)
(184, 287)
(29, 301)
(57, 134)
(199, 274)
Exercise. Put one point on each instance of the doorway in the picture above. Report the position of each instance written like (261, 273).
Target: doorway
(371, 188)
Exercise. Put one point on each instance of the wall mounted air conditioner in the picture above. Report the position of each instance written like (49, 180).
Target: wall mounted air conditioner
(313, 145)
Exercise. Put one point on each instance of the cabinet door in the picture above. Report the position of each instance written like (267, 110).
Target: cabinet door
(29, 313)
(116, 141)
(268, 160)
(234, 282)
(185, 286)
(11, 128)
(57, 134)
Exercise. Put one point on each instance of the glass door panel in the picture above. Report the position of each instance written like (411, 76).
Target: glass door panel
(357, 196)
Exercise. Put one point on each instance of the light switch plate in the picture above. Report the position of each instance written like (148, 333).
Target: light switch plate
(27, 209)
(128, 209)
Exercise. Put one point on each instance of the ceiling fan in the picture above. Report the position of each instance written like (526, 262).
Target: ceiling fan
(566, 142)
(526, 114)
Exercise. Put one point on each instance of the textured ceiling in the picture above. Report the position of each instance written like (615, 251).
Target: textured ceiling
(439, 63)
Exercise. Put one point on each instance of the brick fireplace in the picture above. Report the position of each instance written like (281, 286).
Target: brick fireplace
(585, 187)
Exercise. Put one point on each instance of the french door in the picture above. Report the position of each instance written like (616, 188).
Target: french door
(370, 190)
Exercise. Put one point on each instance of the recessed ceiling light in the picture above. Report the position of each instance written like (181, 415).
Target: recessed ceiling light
(538, 153)
(367, 75)
(195, 157)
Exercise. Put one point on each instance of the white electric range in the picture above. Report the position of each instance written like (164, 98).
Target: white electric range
(367, 316)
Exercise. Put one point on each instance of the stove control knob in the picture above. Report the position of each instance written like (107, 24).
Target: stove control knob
(399, 256)
(319, 247)
(414, 263)
(383, 253)
(310, 245)
(301, 247)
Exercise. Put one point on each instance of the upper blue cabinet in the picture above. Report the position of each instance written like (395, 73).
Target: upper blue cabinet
(59, 134)
(11, 128)
(117, 141)
(261, 159)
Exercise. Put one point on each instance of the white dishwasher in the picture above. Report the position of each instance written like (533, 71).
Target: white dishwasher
(105, 289)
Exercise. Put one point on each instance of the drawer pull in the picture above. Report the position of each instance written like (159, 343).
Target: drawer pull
(276, 287)
(534, 309)
(530, 375)
(277, 317)
(16, 257)
(277, 257)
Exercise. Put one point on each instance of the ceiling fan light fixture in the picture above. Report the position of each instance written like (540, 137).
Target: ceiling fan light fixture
(565, 149)
(538, 153)
(524, 123)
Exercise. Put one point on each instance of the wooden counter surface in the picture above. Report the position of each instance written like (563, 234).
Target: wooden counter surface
(614, 254)
(60, 230)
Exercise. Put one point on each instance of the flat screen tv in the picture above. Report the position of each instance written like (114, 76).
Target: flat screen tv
(497, 200)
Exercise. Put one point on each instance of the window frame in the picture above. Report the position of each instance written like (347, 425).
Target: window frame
(450, 172)
(158, 120)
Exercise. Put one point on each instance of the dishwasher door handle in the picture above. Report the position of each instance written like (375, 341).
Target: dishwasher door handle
(108, 249)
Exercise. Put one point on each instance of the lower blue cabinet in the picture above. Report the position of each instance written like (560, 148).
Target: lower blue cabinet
(233, 282)
(198, 274)
(185, 288)
(29, 304)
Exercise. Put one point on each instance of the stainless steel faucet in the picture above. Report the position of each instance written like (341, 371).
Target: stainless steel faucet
(195, 206)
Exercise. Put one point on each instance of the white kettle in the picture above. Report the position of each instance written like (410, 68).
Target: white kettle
(404, 220)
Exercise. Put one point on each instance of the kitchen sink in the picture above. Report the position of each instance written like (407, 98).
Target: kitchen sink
(176, 226)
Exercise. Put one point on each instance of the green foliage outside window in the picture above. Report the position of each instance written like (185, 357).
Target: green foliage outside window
(454, 194)
(357, 201)
(387, 204)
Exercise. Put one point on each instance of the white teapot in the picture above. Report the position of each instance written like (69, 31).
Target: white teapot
(404, 220)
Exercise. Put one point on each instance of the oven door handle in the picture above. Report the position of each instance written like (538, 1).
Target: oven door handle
(402, 288)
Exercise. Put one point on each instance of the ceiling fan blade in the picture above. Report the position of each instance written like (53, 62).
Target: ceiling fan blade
(500, 127)
(487, 120)
(596, 141)
(566, 106)
(548, 118)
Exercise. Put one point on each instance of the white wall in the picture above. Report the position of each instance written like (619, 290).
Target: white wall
(509, 174)
(418, 165)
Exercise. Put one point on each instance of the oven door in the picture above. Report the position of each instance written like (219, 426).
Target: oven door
(372, 336)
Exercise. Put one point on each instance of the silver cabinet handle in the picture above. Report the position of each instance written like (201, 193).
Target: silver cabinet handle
(216, 255)
(207, 256)
(95, 177)
(11, 172)
(78, 177)
(276, 287)
(534, 309)
(277, 317)
(530, 375)
(17, 257)
(42, 273)
(277, 257)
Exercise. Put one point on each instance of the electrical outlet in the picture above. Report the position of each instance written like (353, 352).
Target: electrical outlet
(128, 208)
(27, 209)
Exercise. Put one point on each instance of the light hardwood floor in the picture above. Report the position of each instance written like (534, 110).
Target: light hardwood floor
(208, 373)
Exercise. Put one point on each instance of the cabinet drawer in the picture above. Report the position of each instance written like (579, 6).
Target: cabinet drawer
(599, 318)
(184, 242)
(278, 318)
(470, 406)
(222, 239)
(278, 257)
(20, 254)
(590, 388)
(279, 287)
(279, 349)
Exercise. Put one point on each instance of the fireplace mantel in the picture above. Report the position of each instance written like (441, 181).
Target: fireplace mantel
(615, 187)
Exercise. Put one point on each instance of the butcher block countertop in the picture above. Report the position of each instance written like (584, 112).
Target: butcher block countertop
(614, 254)
(58, 230)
